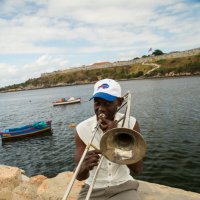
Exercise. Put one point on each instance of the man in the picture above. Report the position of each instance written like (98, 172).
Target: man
(114, 181)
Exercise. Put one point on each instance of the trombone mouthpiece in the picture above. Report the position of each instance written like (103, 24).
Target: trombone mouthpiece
(102, 115)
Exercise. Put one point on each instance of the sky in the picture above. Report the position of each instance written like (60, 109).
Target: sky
(38, 36)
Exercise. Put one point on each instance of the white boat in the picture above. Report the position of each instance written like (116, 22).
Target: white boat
(65, 101)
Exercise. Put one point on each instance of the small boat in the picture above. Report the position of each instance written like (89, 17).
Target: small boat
(30, 130)
(65, 101)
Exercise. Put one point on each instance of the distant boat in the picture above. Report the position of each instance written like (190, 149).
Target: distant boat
(37, 128)
(65, 101)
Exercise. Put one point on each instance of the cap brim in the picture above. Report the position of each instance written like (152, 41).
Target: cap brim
(105, 96)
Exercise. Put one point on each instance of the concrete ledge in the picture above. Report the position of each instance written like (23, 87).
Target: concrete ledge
(153, 191)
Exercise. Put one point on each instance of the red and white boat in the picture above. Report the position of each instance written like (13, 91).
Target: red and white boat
(65, 101)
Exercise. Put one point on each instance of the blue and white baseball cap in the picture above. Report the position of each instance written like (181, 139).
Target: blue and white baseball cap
(107, 89)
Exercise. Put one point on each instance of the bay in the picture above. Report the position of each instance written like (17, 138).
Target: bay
(168, 111)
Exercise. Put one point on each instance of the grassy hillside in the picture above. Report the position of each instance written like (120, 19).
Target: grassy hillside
(164, 68)
(178, 66)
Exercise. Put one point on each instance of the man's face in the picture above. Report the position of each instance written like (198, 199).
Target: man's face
(108, 108)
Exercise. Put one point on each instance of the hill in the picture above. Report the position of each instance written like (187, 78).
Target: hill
(185, 63)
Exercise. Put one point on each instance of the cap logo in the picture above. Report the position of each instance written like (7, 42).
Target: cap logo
(103, 86)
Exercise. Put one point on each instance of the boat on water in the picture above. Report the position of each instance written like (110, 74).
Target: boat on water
(30, 130)
(65, 101)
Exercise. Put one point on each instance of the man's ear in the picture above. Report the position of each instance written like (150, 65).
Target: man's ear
(120, 101)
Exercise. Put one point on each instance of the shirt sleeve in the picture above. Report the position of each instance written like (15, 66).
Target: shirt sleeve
(81, 130)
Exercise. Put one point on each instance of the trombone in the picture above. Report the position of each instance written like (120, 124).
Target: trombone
(119, 145)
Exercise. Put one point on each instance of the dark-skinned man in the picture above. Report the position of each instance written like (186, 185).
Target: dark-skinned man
(114, 181)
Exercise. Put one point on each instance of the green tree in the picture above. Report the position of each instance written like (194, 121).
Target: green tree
(157, 52)
(139, 73)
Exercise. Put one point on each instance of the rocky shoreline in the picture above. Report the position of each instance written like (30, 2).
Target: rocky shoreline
(15, 185)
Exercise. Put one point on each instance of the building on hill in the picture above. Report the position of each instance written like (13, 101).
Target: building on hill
(152, 58)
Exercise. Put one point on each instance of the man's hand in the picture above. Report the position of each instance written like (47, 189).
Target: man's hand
(91, 160)
(106, 124)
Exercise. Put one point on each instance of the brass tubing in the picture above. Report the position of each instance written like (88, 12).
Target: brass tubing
(79, 164)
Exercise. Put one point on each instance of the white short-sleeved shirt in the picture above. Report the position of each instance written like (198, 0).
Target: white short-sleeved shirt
(110, 173)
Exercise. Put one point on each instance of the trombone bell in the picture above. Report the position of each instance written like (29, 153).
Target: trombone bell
(123, 146)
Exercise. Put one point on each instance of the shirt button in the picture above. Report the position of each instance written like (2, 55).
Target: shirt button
(109, 163)
(109, 174)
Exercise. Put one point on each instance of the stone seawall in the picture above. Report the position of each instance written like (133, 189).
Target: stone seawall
(151, 58)
(15, 185)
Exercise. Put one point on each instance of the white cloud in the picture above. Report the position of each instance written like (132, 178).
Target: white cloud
(6, 69)
(46, 63)
(19, 74)
(89, 29)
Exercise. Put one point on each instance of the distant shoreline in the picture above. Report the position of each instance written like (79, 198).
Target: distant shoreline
(167, 65)
(139, 78)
